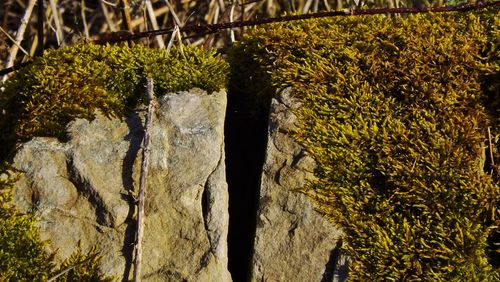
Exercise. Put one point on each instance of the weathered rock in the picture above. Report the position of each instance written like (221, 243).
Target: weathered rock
(293, 242)
(80, 189)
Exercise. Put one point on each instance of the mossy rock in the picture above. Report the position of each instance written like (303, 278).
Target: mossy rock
(74, 82)
(69, 83)
(393, 113)
(23, 255)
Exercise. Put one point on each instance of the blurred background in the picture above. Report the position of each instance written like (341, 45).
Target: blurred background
(30, 26)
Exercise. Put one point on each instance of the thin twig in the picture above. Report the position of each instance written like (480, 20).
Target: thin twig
(154, 23)
(172, 11)
(127, 21)
(491, 148)
(109, 3)
(19, 37)
(143, 182)
(306, 6)
(57, 22)
(179, 37)
(176, 18)
(172, 38)
(214, 28)
(231, 19)
(84, 20)
(14, 41)
(107, 17)
(40, 28)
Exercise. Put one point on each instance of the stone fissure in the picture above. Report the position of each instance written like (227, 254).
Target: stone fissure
(245, 135)
(204, 210)
(103, 215)
(272, 232)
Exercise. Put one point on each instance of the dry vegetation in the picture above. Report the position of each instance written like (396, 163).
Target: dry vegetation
(79, 20)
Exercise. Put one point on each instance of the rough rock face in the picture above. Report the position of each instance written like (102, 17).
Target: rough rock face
(292, 242)
(80, 189)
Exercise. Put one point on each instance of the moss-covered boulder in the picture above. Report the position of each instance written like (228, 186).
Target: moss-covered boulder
(72, 194)
(74, 82)
(394, 114)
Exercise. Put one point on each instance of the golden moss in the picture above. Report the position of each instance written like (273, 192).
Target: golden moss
(393, 114)
(22, 255)
(73, 82)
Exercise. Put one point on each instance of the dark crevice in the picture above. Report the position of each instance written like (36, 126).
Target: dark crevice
(204, 209)
(245, 138)
(135, 136)
(103, 216)
(331, 265)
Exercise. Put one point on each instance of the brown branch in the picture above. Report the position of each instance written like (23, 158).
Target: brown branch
(154, 23)
(19, 37)
(57, 22)
(121, 36)
(14, 68)
(40, 28)
(127, 21)
(125, 9)
(214, 28)
(143, 182)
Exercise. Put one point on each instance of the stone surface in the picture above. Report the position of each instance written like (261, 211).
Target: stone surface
(80, 189)
(293, 242)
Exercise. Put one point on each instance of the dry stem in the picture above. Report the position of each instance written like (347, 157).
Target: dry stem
(143, 182)
(19, 37)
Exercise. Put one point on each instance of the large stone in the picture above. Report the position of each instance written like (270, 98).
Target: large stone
(293, 242)
(80, 189)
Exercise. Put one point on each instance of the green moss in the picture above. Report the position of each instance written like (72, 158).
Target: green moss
(82, 266)
(22, 251)
(22, 255)
(393, 115)
(73, 82)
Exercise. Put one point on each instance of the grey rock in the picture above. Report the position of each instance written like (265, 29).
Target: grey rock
(293, 242)
(80, 189)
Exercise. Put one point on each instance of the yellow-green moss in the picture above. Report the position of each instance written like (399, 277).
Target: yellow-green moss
(23, 256)
(73, 82)
(393, 114)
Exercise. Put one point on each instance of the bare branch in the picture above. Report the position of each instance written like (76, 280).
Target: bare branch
(57, 22)
(154, 23)
(19, 37)
(143, 182)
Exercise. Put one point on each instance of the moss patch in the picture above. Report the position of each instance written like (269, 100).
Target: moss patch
(22, 251)
(73, 82)
(69, 83)
(393, 114)
(22, 254)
